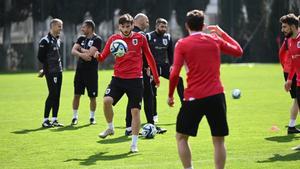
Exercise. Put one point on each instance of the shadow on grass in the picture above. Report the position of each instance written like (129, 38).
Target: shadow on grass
(26, 131)
(70, 127)
(283, 139)
(277, 157)
(91, 160)
(114, 140)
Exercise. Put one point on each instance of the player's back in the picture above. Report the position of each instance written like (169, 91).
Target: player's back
(201, 54)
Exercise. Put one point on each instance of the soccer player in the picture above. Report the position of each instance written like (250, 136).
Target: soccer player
(127, 77)
(50, 57)
(141, 23)
(204, 95)
(86, 75)
(289, 27)
(161, 46)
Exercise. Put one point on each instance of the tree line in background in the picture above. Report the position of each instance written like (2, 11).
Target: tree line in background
(254, 23)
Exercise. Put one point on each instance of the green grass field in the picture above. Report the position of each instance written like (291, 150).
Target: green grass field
(250, 145)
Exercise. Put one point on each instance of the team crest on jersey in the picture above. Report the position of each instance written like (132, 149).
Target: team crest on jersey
(90, 43)
(55, 79)
(298, 44)
(107, 91)
(134, 41)
(165, 42)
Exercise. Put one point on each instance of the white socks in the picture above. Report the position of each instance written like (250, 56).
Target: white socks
(54, 119)
(292, 123)
(128, 129)
(111, 125)
(189, 168)
(92, 114)
(75, 114)
(134, 140)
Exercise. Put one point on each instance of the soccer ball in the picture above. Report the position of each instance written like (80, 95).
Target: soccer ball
(236, 93)
(118, 48)
(149, 130)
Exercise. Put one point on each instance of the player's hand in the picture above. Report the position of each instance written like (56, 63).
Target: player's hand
(41, 73)
(170, 101)
(157, 83)
(85, 57)
(96, 55)
(215, 29)
(287, 85)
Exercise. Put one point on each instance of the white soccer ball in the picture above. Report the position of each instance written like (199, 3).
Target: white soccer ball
(236, 93)
(118, 48)
(149, 130)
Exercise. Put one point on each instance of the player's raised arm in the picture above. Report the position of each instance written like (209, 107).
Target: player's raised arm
(229, 45)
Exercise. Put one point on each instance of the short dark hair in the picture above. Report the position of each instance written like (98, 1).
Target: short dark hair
(126, 18)
(195, 20)
(161, 20)
(290, 19)
(90, 23)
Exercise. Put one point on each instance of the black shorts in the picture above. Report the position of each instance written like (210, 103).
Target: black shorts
(133, 88)
(294, 85)
(86, 79)
(191, 113)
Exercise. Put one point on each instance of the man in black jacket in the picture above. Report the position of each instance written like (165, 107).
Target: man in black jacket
(49, 56)
(161, 46)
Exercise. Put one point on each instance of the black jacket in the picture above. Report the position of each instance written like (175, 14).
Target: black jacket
(48, 54)
(161, 47)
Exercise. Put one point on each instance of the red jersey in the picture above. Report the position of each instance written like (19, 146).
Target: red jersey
(294, 55)
(200, 54)
(130, 65)
(284, 59)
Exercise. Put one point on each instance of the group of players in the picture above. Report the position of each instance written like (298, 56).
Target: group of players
(86, 76)
(149, 56)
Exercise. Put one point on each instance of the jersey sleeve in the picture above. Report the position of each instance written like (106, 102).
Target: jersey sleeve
(150, 59)
(106, 51)
(283, 52)
(229, 46)
(79, 39)
(42, 52)
(178, 63)
(97, 43)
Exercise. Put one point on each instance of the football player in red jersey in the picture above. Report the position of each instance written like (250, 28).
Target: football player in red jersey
(289, 27)
(127, 78)
(204, 95)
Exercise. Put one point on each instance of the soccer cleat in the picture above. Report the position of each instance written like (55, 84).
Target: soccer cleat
(106, 133)
(133, 149)
(47, 124)
(74, 121)
(57, 124)
(296, 148)
(128, 132)
(92, 121)
(293, 130)
(160, 130)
